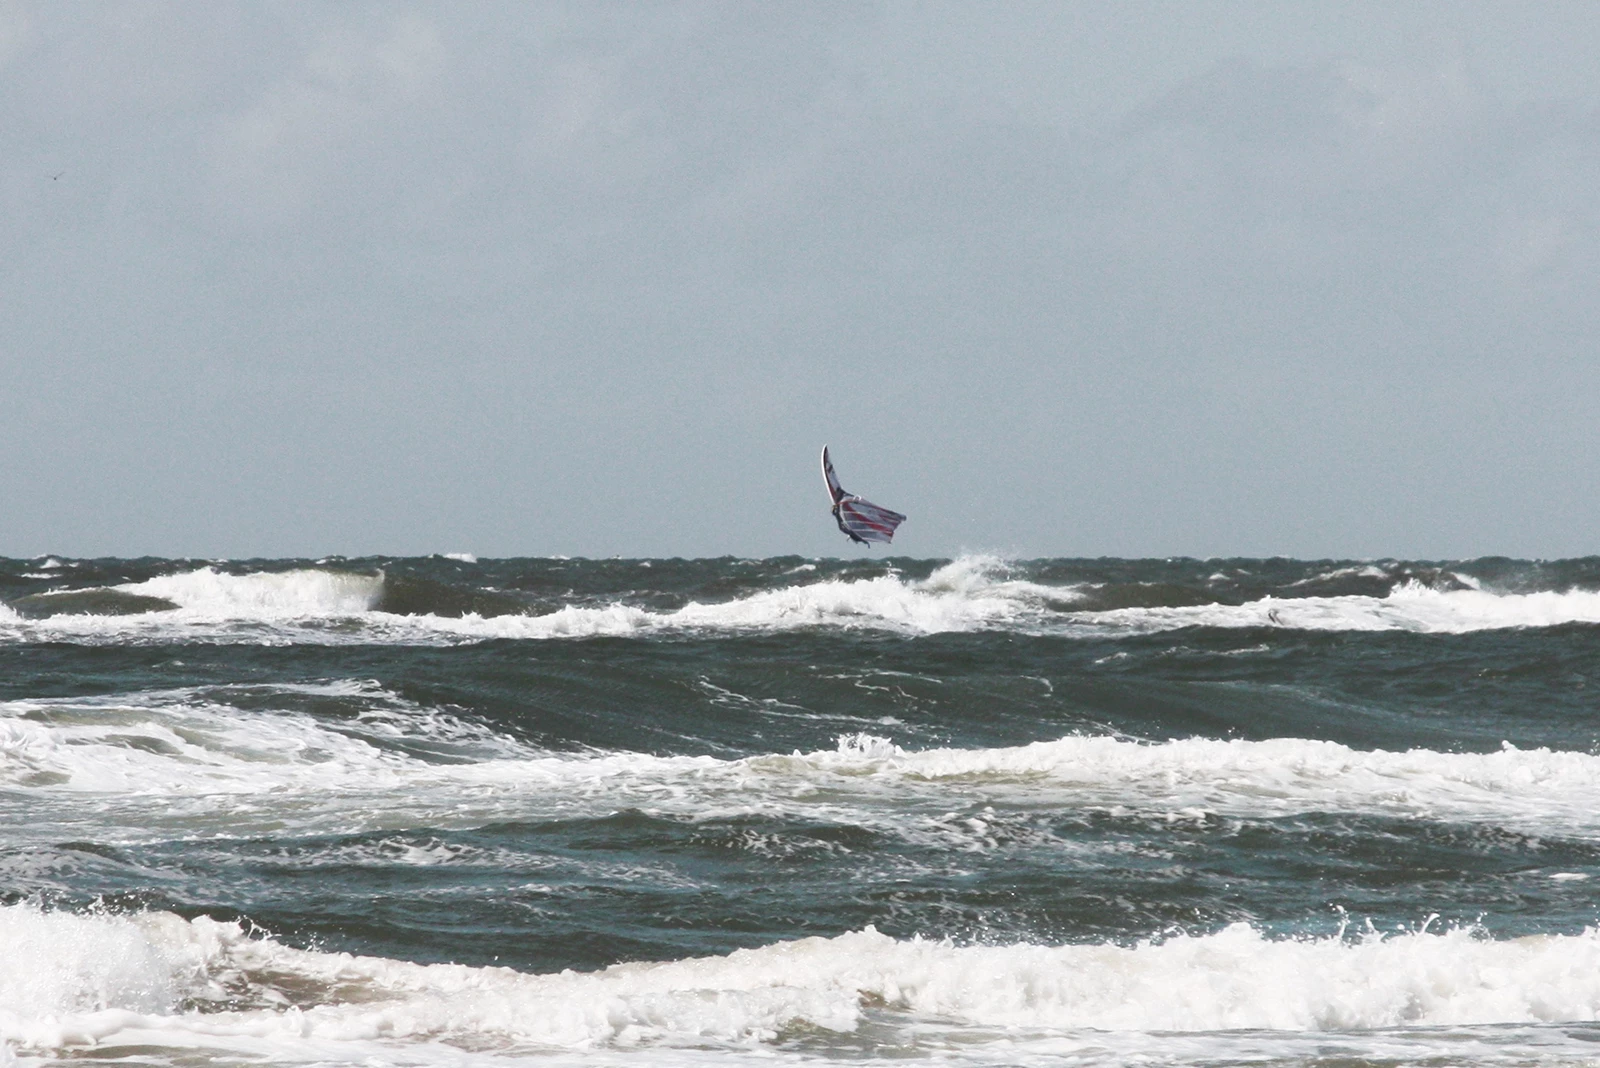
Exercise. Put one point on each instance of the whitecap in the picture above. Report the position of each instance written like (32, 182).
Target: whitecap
(140, 767)
(157, 980)
(975, 593)
(303, 592)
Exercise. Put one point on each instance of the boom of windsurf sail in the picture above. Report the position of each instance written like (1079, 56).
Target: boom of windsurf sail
(862, 520)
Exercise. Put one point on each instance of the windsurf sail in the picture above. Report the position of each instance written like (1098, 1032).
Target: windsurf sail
(862, 520)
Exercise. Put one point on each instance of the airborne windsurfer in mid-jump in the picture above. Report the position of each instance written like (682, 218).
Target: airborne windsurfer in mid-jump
(852, 535)
(860, 520)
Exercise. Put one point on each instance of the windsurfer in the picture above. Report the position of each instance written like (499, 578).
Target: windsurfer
(859, 519)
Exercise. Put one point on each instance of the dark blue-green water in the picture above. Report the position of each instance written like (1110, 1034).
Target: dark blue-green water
(439, 811)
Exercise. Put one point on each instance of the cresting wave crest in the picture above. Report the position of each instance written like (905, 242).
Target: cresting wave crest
(974, 593)
(141, 767)
(110, 981)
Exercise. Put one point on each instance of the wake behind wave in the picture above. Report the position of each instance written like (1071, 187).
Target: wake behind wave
(972, 594)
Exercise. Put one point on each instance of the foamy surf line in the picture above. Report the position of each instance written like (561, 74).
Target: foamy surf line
(315, 606)
(172, 764)
(299, 606)
(1411, 607)
(80, 982)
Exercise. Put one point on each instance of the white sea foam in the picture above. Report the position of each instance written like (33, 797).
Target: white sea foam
(188, 763)
(191, 763)
(157, 980)
(1409, 607)
(974, 593)
(1554, 791)
(305, 592)
(221, 761)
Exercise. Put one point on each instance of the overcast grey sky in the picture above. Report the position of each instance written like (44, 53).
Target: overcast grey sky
(592, 279)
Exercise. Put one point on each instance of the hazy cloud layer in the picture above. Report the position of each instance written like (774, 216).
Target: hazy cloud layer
(600, 279)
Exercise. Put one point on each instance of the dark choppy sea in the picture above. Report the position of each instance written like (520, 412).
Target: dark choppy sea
(452, 812)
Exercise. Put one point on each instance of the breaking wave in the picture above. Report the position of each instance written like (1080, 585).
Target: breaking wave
(974, 593)
(139, 767)
(1410, 607)
(211, 595)
(304, 592)
(110, 981)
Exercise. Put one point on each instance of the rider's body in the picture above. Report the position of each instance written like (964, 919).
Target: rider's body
(838, 518)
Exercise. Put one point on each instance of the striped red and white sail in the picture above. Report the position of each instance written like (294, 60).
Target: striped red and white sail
(857, 517)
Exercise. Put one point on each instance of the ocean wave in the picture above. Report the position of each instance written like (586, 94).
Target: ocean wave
(108, 981)
(207, 595)
(156, 765)
(302, 592)
(972, 593)
(1411, 606)
(975, 593)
